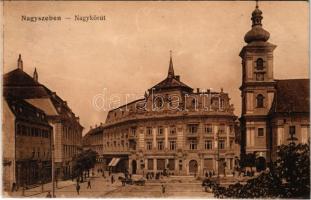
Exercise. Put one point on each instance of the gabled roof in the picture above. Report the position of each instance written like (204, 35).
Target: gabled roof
(292, 95)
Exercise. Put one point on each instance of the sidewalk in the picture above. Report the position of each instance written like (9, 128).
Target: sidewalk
(38, 190)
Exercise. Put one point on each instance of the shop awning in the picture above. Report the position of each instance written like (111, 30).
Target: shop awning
(114, 162)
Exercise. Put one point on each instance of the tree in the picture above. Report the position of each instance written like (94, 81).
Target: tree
(288, 178)
(84, 161)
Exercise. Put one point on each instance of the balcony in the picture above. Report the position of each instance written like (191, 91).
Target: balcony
(192, 134)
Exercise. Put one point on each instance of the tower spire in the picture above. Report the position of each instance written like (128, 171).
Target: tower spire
(20, 62)
(35, 75)
(171, 68)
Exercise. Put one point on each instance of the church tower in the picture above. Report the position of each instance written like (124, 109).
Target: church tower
(258, 88)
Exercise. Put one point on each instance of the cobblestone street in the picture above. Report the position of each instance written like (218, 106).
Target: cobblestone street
(174, 187)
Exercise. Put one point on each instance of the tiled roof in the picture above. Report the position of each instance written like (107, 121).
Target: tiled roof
(292, 95)
(18, 84)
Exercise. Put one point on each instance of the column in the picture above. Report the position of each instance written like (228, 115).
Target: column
(146, 164)
(154, 137)
(130, 165)
(202, 166)
(228, 137)
(154, 165)
(165, 137)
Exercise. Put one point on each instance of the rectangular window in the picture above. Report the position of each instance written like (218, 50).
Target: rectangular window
(260, 132)
(222, 129)
(171, 164)
(192, 128)
(133, 132)
(160, 145)
(150, 164)
(160, 131)
(231, 144)
(221, 144)
(149, 145)
(149, 131)
(160, 164)
(292, 130)
(173, 145)
(208, 144)
(208, 129)
(192, 144)
(172, 130)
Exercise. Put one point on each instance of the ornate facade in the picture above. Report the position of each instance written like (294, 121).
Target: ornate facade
(173, 128)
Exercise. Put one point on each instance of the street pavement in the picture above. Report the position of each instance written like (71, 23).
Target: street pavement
(184, 187)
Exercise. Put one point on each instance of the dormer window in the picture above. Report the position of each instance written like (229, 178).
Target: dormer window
(260, 101)
(259, 64)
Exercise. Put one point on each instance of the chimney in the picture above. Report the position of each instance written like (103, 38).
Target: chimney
(20, 62)
(198, 90)
(177, 78)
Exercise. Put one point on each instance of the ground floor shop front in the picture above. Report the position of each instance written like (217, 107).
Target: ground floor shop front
(183, 164)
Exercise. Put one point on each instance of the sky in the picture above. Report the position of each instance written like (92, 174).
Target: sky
(128, 52)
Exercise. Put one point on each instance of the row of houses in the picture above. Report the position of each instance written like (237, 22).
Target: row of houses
(188, 132)
(38, 124)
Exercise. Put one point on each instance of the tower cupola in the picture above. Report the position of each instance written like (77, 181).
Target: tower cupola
(257, 33)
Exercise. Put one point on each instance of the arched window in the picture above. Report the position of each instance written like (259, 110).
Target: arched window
(259, 64)
(260, 101)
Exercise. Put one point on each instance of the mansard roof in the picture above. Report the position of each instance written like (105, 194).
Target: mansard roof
(292, 95)
(26, 112)
(17, 84)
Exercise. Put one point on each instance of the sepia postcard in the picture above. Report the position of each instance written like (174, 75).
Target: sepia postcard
(155, 99)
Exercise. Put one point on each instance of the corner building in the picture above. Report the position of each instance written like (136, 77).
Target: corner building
(173, 128)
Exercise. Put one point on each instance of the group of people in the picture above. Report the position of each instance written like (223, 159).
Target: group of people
(209, 174)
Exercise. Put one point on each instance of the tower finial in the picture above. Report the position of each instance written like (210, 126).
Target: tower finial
(171, 69)
(35, 75)
(20, 62)
(256, 3)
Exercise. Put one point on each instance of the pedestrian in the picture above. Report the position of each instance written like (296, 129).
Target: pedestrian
(89, 184)
(78, 189)
(163, 189)
(112, 179)
(49, 195)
